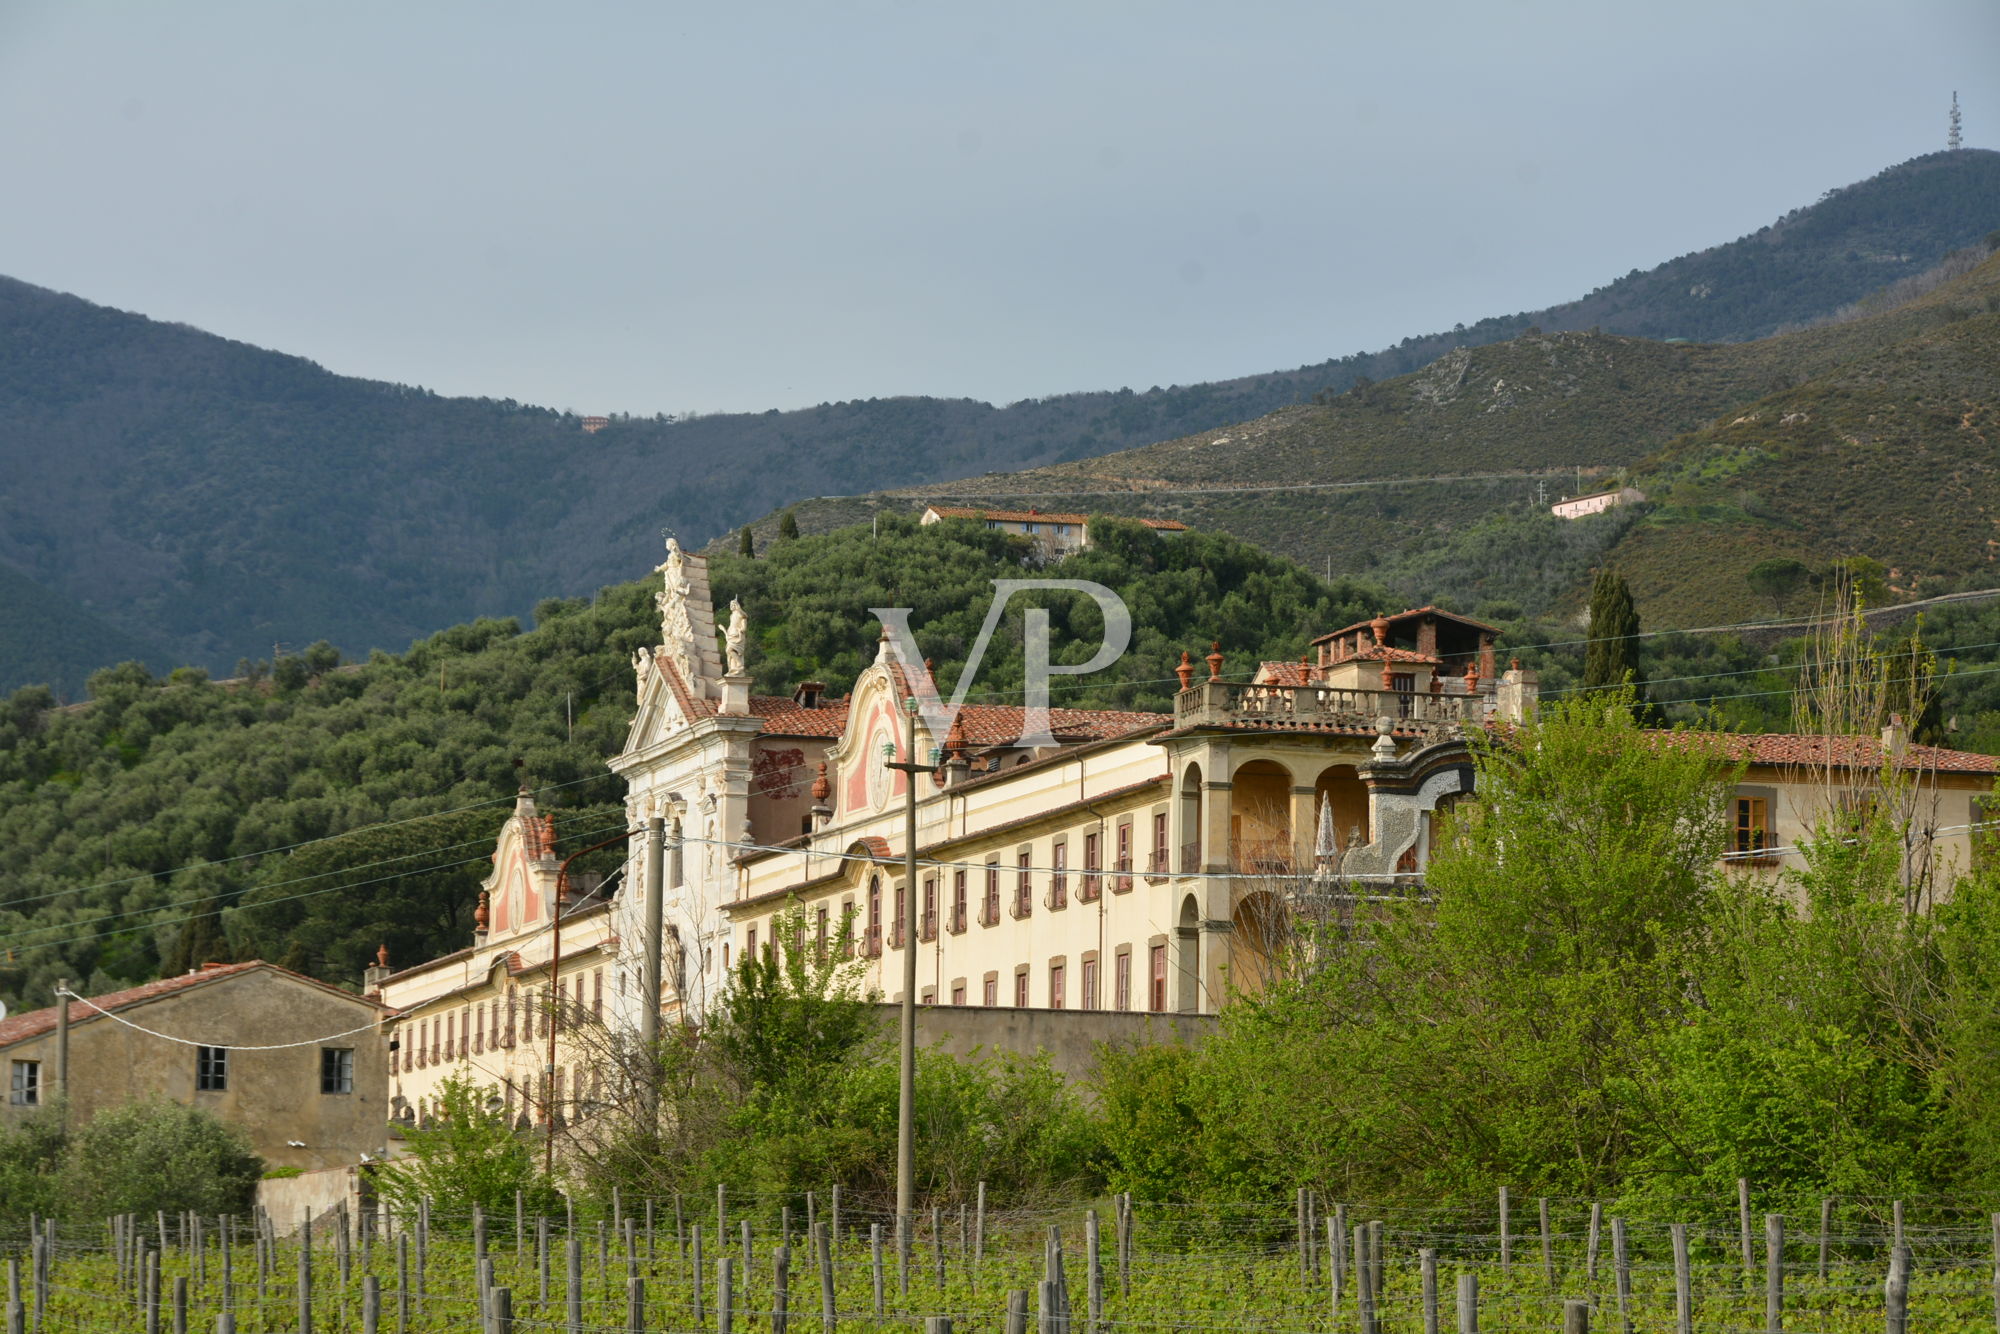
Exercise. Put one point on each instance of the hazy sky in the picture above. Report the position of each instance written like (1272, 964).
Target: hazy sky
(651, 207)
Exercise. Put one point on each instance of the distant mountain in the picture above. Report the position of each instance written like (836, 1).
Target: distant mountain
(47, 638)
(1877, 435)
(203, 500)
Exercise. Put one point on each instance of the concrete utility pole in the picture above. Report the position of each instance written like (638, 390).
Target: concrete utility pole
(676, 845)
(907, 1083)
(649, 976)
(62, 1043)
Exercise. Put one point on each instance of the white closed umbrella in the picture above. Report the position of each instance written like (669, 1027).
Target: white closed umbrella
(1324, 847)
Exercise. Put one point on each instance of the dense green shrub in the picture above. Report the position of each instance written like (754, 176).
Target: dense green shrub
(142, 1158)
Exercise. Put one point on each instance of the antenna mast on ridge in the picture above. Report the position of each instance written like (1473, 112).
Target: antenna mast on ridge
(1952, 140)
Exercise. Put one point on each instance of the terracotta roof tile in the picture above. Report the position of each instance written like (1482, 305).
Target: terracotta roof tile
(1426, 610)
(33, 1023)
(1001, 724)
(1382, 653)
(1283, 674)
(1845, 752)
(787, 717)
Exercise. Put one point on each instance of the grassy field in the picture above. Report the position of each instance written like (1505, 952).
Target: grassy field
(1175, 1270)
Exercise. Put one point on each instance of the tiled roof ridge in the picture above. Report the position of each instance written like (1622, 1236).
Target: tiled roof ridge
(1429, 608)
(34, 1023)
(1845, 752)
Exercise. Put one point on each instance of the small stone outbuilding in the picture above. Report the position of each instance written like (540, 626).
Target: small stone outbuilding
(299, 1066)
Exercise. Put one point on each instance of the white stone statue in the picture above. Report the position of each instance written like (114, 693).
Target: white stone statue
(735, 635)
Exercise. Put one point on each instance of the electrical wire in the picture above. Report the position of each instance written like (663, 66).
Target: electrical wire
(371, 1026)
(289, 898)
(304, 843)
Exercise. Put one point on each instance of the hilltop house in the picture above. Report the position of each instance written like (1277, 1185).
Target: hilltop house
(1578, 507)
(299, 1066)
(1059, 534)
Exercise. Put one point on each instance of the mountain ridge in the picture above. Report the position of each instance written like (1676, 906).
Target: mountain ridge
(211, 500)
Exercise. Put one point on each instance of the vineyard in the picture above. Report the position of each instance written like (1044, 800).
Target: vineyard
(1516, 1265)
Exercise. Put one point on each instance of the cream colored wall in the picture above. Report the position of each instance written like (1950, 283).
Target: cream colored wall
(981, 822)
(995, 819)
(1797, 804)
(273, 1096)
(459, 987)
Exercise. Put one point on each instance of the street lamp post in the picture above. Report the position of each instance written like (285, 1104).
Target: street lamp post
(907, 1083)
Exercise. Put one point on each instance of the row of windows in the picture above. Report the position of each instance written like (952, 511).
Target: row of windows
(552, 1093)
(470, 1030)
(211, 1074)
(999, 887)
(1056, 985)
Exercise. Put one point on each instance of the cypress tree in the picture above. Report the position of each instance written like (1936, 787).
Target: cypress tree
(1612, 660)
(788, 526)
(199, 941)
(747, 544)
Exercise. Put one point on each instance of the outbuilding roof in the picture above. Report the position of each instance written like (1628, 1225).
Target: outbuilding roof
(34, 1023)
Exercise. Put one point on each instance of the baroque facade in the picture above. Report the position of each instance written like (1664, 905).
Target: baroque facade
(1112, 860)
(1089, 860)
(519, 1010)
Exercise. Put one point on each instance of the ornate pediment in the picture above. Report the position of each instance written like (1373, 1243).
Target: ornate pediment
(687, 621)
(863, 781)
(660, 711)
(521, 890)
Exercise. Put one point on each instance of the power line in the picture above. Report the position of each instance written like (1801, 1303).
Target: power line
(303, 843)
(370, 1026)
(262, 903)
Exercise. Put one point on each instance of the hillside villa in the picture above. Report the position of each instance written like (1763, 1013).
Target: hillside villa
(1125, 861)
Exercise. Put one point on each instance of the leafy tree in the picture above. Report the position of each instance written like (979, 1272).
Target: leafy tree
(1778, 579)
(1497, 1020)
(290, 673)
(794, 1013)
(152, 1156)
(31, 1159)
(467, 1153)
(1611, 662)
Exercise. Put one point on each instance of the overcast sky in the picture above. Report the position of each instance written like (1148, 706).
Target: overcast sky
(649, 207)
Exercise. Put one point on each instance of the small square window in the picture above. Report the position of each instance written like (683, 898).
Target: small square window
(336, 1069)
(211, 1069)
(24, 1086)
